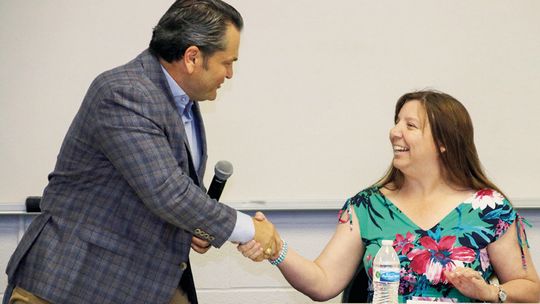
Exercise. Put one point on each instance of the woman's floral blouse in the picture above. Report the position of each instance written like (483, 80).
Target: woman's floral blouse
(459, 239)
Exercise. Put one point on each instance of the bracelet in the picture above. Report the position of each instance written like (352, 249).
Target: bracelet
(282, 255)
(501, 294)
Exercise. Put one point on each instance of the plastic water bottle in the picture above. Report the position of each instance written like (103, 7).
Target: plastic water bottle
(386, 270)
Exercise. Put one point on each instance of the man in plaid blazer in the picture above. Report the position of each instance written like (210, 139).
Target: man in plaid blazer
(125, 201)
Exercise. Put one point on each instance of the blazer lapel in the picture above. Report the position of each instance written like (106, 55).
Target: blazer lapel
(192, 172)
(200, 126)
(153, 71)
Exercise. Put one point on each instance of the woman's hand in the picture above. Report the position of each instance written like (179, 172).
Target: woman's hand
(471, 284)
(253, 249)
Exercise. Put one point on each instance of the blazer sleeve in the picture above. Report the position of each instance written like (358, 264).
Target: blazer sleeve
(129, 133)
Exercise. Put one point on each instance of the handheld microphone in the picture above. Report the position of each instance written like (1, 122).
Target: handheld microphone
(222, 171)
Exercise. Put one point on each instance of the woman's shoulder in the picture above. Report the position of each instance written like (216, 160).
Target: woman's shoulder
(368, 192)
(365, 196)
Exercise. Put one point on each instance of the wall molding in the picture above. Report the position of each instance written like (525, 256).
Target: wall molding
(278, 205)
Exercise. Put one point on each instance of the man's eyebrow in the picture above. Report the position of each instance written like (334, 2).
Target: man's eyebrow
(230, 60)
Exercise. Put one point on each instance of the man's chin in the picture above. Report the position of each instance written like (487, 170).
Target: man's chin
(212, 97)
(206, 98)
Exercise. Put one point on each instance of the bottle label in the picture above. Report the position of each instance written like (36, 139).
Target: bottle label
(388, 275)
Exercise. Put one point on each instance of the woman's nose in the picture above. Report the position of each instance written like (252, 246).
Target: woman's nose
(395, 132)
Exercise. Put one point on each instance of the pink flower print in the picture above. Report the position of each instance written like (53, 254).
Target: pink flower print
(484, 259)
(438, 257)
(407, 281)
(501, 228)
(485, 197)
(370, 269)
(404, 244)
(369, 257)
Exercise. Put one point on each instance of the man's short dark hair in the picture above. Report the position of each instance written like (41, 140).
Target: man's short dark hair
(200, 23)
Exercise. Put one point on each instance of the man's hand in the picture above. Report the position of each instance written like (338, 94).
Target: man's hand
(251, 250)
(267, 236)
(200, 246)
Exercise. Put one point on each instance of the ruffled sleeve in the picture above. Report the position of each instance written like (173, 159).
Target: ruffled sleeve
(359, 202)
(345, 214)
(508, 216)
(496, 210)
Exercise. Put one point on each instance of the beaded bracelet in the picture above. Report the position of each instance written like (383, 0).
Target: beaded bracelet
(282, 255)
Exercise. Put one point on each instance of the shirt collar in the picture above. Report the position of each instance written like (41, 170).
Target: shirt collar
(180, 97)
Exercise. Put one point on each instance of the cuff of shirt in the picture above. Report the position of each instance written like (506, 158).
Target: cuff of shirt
(244, 230)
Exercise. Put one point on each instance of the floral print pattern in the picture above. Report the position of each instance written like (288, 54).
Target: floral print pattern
(459, 239)
(486, 198)
(404, 244)
(437, 257)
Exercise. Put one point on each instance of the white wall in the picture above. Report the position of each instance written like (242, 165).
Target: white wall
(306, 117)
(225, 276)
(307, 114)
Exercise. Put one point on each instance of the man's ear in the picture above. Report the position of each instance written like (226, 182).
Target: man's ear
(191, 58)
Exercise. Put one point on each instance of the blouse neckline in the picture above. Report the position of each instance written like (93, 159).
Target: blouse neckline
(396, 208)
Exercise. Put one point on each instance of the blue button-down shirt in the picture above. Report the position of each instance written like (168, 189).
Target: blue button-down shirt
(184, 106)
(244, 229)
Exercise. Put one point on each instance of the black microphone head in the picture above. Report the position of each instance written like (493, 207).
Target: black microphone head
(223, 170)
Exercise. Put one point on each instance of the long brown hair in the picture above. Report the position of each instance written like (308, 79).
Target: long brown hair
(452, 129)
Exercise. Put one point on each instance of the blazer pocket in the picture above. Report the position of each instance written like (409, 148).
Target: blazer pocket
(120, 245)
(109, 240)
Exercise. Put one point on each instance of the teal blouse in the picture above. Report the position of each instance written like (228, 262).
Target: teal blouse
(459, 239)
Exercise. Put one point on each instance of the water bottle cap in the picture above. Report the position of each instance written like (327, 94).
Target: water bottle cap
(387, 242)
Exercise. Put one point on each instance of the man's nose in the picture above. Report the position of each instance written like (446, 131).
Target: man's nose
(230, 73)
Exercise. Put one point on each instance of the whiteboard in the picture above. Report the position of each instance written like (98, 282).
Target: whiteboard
(307, 114)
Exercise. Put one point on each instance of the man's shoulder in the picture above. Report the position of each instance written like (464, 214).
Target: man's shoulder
(141, 73)
(133, 71)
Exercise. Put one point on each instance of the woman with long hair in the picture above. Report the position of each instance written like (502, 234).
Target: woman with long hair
(451, 227)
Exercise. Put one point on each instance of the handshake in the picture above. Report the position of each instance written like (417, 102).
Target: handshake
(266, 243)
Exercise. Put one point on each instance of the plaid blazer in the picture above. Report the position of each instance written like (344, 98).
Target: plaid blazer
(123, 200)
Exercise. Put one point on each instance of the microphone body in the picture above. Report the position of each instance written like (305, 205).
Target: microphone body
(216, 188)
(222, 171)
